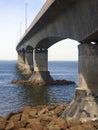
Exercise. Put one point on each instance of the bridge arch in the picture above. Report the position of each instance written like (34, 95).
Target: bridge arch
(65, 51)
(48, 42)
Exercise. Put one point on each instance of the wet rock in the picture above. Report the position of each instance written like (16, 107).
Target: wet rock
(63, 82)
(22, 82)
(35, 83)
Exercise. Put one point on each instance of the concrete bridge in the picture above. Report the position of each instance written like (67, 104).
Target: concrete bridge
(58, 20)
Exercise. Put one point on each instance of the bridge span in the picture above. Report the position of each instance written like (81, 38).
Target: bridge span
(58, 20)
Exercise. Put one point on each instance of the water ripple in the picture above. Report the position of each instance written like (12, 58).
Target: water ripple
(13, 97)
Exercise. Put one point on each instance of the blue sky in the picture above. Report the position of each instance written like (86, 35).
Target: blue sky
(12, 20)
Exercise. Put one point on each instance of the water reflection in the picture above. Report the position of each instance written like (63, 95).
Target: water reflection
(35, 95)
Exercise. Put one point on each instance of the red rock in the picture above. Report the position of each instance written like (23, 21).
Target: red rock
(34, 124)
(24, 117)
(77, 127)
(10, 125)
(88, 127)
(33, 113)
(2, 123)
(58, 110)
(45, 120)
(24, 129)
(54, 127)
(95, 125)
(50, 108)
(20, 120)
(43, 117)
(44, 128)
(15, 117)
(61, 123)
(26, 109)
(73, 123)
(43, 111)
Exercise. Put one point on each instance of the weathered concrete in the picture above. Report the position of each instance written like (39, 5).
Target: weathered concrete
(29, 57)
(41, 73)
(85, 102)
(25, 63)
(29, 61)
(88, 66)
(20, 58)
(40, 57)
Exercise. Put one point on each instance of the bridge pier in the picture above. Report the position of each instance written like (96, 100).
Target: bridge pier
(28, 67)
(25, 62)
(20, 58)
(85, 103)
(40, 74)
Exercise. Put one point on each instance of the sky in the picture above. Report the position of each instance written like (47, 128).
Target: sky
(12, 27)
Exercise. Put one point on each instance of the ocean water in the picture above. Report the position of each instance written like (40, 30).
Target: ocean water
(14, 97)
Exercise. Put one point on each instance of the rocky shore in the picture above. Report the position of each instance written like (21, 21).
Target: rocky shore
(54, 82)
(43, 117)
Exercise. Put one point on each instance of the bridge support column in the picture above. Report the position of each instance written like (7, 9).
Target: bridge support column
(20, 58)
(21, 61)
(41, 74)
(29, 56)
(28, 69)
(85, 103)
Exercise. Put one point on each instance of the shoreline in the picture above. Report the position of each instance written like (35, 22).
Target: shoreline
(43, 117)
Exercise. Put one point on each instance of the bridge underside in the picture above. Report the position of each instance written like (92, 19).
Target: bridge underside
(93, 37)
